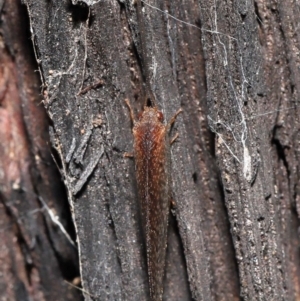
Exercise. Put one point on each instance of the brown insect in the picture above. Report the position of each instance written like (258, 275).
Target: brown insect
(153, 175)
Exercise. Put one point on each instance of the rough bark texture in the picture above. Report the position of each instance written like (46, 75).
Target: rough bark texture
(251, 71)
(35, 255)
(235, 167)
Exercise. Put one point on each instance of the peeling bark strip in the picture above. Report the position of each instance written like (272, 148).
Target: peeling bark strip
(87, 172)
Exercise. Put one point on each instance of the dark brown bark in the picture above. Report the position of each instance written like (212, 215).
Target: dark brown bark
(35, 255)
(235, 167)
(252, 70)
(100, 42)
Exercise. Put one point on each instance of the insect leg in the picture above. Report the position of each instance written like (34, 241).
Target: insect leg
(172, 120)
(128, 155)
(132, 116)
(174, 138)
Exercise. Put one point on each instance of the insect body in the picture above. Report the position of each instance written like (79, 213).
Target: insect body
(152, 164)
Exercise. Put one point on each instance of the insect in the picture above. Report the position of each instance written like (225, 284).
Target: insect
(152, 165)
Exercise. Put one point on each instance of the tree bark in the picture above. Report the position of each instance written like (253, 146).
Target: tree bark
(233, 67)
(36, 256)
